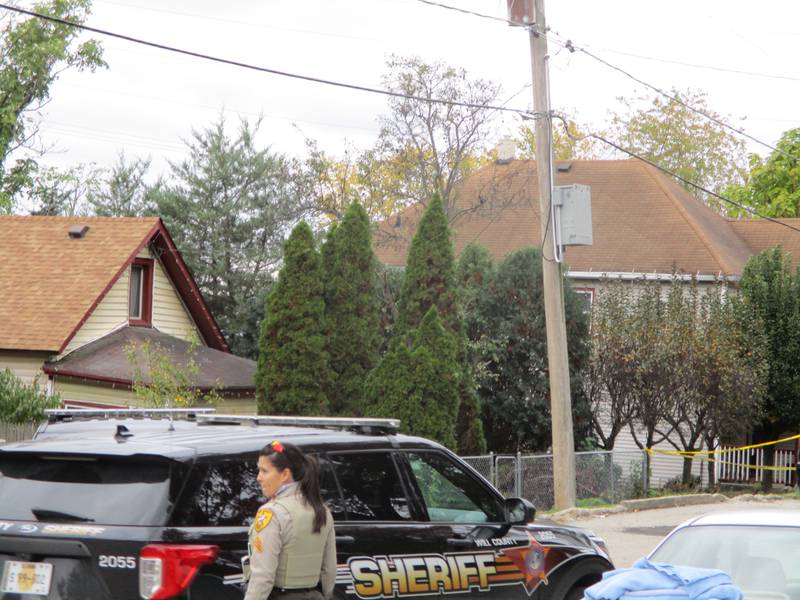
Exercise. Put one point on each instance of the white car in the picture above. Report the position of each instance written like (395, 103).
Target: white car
(759, 549)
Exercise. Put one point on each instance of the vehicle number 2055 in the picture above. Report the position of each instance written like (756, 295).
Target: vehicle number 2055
(116, 562)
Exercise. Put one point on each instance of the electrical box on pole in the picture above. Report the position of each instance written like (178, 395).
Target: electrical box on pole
(573, 214)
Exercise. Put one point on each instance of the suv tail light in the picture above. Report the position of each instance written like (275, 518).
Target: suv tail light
(166, 570)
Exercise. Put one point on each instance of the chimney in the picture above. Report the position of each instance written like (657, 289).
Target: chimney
(506, 148)
(78, 232)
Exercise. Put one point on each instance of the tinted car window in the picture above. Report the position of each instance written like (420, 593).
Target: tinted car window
(108, 491)
(329, 489)
(223, 493)
(371, 487)
(450, 493)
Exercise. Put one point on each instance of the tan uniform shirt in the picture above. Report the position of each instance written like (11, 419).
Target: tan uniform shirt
(267, 542)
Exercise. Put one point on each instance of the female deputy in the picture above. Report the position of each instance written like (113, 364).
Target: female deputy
(292, 545)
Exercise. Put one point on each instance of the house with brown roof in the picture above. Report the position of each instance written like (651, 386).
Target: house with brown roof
(77, 292)
(643, 224)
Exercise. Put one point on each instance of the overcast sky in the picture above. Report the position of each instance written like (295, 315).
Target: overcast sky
(148, 100)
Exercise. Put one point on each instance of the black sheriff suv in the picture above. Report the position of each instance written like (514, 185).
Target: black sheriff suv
(121, 505)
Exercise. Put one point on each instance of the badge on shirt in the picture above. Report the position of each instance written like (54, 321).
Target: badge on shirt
(263, 517)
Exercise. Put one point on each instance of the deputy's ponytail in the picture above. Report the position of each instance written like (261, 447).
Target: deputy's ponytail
(305, 470)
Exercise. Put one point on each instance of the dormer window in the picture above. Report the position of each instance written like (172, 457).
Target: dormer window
(140, 299)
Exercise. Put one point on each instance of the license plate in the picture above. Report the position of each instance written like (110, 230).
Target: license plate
(27, 578)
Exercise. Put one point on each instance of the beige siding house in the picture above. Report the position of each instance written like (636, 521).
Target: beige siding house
(76, 292)
(644, 225)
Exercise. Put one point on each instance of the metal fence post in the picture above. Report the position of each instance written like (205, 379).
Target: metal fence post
(492, 472)
(518, 477)
(610, 455)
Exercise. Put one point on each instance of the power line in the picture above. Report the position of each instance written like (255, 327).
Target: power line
(697, 186)
(699, 66)
(569, 45)
(573, 48)
(473, 13)
(252, 67)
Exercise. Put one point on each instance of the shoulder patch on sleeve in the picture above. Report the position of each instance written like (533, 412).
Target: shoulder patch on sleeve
(263, 517)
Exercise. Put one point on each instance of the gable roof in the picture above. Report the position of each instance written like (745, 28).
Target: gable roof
(50, 283)
(642, 221)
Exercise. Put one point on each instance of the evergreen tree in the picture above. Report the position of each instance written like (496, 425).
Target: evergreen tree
(430, 280)
(514, 389)
(771, 290)
(352, 312)
(419, 384)
(293, 371)
(430, 274)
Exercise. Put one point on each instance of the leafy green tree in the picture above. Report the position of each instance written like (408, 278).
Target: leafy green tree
(162, 382)
(427, 147)
(23, 403)
(573, 145)
(771, 291)
(293, 374)
(32, 54)
(419, 384)
(351, 309)
(611, 370)
(228, 206)
(430, 280)
(63, 191)
(672, 135)
(123, 190)
(773, 185)
(513, 386)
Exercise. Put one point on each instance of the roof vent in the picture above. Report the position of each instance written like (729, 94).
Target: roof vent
(78, 232)
(506, 148)
(564, 167)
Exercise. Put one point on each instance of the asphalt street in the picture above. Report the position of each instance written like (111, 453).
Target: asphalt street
(631, 535)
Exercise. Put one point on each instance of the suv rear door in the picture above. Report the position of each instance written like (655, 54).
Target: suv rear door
(72, 526)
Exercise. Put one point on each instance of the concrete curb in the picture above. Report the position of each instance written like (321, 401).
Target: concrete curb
(670, 501)
(572, 514)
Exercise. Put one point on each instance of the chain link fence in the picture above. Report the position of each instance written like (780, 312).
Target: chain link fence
(607, 476)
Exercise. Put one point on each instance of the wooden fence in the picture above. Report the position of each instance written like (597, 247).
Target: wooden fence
(17, 433)
(737, 465)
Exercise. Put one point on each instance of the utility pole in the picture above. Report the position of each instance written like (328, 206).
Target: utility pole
(557, 362)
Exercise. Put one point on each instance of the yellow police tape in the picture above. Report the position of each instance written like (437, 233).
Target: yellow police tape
(694, 453)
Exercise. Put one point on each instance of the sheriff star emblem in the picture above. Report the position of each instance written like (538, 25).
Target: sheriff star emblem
(531, 560)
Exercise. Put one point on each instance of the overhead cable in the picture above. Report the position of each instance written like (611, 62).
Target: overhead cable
(252, 67)
(671, 173)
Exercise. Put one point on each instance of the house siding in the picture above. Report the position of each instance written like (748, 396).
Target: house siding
(169, 314)
(80, 391)
(108, 315)
(84, 391)
(663, 468)
(25, 365)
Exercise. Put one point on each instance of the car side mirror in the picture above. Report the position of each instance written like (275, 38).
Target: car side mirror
(519, 511)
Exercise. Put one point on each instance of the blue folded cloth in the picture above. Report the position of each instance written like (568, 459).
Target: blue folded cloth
(662, 581)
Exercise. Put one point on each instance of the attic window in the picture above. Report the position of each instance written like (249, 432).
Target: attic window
(78, 232)
(140, 296)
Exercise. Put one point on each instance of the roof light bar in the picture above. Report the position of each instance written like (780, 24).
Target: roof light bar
(67, 414)
(383, 425)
